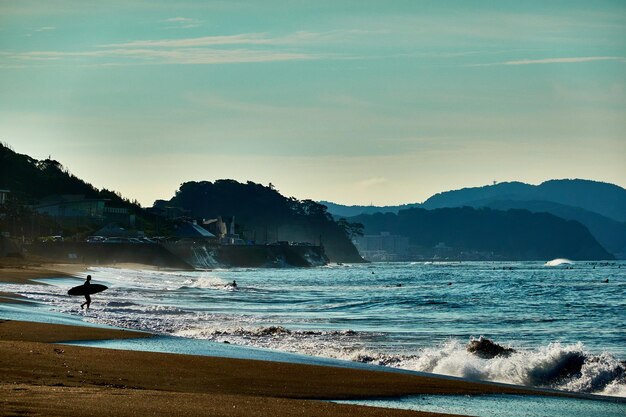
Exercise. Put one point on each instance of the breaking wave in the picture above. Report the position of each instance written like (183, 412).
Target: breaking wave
(559, 261)
(558, 366)
(401, 326)
(204, 282)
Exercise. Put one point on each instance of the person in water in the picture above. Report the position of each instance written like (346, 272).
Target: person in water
(234, 284)
(87, 297)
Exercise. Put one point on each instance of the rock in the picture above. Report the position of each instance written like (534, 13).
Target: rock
(487, 349)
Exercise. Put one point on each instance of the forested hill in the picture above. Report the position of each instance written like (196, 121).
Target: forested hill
(468, 233)
(339, 210)
(30, 179)
(262, 214)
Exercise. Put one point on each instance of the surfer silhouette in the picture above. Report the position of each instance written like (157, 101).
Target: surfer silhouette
(86, 289)
(234, 284)
(87, 297)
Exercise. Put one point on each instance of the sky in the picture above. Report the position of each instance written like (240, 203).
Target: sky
(355, 102)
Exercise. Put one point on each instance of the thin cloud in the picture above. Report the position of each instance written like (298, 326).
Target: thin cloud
(564, 60)
(569, 60)
(242, 39)
(182, 22)
(254, 38)
(223, 49)
(177, 56)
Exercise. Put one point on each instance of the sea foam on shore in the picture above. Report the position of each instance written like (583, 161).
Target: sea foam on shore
(409, 316)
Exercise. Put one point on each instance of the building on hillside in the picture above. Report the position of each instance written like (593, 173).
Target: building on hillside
(4, 194)
(120, 215)
(232, 238)
(169, 212)
(191, 230)
(115, 230)
(71, 205)
(383, 247)
(77, 210)
(215, 226)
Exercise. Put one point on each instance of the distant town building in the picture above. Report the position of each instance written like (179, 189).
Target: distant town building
(191, 230)
(383, 247)
(215, 226)
(71, 206)
(4, 194)
(169, 212)
(76, 209)
(114, 230)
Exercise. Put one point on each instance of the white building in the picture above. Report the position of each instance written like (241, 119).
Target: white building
(383, 247)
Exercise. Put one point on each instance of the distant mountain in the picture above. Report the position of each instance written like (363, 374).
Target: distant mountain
(468, 233)
(606, 199)
(610, 233)
(340, 210)
(264, 215)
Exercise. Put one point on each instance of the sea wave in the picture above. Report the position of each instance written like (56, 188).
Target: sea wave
(205, 282)
(558, 366)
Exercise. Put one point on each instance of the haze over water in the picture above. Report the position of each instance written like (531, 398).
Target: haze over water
(409, 315)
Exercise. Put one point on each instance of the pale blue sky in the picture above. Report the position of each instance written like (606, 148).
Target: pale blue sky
(356, 102)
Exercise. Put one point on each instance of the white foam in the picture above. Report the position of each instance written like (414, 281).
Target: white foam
(135, 299)
(615, 389)
(559, 261)
(205, 282)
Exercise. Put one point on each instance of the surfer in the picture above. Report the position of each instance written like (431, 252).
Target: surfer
(234, 284)
(87, 297)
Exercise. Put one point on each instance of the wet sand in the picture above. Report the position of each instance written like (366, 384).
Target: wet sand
(41, 378)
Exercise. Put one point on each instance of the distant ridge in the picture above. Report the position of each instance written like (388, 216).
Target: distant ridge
(465, 233)
(340, 210)
(599, 206)
(610, 233)
(603, 198)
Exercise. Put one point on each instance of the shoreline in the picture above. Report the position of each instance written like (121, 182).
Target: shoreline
(42, 376)
(41, 368)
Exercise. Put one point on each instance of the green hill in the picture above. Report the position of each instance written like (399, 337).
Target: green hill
(264, 215)
(468, 233)
(30, 179)
(610, 233)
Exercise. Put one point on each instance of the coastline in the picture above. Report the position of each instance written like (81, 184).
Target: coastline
(75, 380)
(44, 376)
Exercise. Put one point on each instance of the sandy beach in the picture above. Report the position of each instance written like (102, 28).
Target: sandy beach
(38, 377)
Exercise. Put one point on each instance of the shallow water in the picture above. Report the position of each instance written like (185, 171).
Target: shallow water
(408, 315)
(492, 405)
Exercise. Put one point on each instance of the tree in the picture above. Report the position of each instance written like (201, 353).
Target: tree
(351, 230)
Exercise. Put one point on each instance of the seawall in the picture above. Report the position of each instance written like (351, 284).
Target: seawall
(182, 254)
(206, 255)
(108, 253)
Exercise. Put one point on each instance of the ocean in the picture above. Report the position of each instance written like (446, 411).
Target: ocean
(565, 324)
